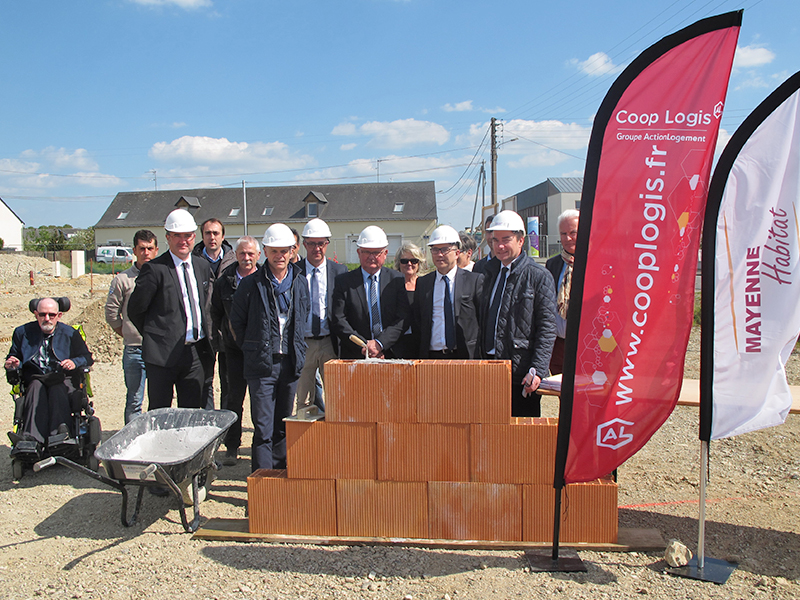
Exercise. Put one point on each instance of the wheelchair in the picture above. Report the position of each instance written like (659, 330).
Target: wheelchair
(78, 445)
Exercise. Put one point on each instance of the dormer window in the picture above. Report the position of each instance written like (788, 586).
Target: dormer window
(312, 210)
(122, 216)
(267, 211)
(234, 212)
(398, 207)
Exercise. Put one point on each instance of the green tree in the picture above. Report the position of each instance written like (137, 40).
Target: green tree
(83, 240)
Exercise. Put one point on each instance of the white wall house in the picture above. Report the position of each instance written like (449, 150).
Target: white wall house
(10, 227)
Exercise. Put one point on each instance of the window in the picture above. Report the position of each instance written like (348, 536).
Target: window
(398, 207)
(122, 215)
(312, 210)
(267, 211)
(234, 212)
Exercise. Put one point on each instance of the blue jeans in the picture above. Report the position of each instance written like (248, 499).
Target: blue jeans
(133, 367)
(271, 400)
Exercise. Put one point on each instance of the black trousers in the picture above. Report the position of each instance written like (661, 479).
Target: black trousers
(45, 408)
(236, 385)
(188, 378)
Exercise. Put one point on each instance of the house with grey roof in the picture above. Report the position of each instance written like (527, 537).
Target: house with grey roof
(547, 201)
(406, 211)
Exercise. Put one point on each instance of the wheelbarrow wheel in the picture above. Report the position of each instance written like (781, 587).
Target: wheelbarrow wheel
(17, 469)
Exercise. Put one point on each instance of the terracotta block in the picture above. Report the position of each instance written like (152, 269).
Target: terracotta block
(364, 391)
(322, 450)
(588, 512)
(475, 511)
(523, 452)
(366, 508)
(464, 391)
(423, 452)
(277, 504)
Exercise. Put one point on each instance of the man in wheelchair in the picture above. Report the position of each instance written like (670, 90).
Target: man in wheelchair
(50, 358)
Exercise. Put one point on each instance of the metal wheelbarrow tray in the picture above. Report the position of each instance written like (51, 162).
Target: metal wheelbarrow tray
(166, 447)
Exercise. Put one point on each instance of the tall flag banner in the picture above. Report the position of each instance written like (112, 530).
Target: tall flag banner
(533, 236)
(751, 253)
(642, 206)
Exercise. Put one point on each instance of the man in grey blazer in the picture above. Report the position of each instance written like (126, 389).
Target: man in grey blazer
(169, 307)
(320, 273)
(446, 303)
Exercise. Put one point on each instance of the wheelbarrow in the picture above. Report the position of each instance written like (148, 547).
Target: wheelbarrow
(170, 448)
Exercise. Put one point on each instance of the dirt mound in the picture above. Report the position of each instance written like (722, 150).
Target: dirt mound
(105, 344)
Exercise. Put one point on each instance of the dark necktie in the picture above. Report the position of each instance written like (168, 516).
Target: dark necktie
(488, 336)
(190, 293)
(315, 312)
(449, 319)
(373, 307)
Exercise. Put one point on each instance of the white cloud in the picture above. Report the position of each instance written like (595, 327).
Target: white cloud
(61, 158)
(458, 107)
(344, 129)
(185, 4)
(597, 64)
(393, 168)
(197, 154)
(396, 134)
(346, 147)
(751, 80)
(178, 125)
(19, 166)
(752, 56)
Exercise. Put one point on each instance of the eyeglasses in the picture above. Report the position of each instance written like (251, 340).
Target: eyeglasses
(48, 315)
(371, 253)
(405, 261)
(441, 251)
(315, 244)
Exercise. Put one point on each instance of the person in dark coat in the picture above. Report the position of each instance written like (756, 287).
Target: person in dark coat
(247, 252)
(169, 307)
(268, 319)
(447, 302)
(47, 352)
(370, 301)
(560, 267)
(518, 313)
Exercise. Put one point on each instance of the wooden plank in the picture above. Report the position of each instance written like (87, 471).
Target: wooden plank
(236, 530)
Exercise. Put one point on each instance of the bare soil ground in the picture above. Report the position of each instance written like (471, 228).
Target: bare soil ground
(61, 537)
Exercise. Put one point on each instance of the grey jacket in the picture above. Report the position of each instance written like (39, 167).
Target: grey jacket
(117, 305)
(526, 322)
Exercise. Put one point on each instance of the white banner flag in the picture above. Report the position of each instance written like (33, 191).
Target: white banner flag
(757, 291)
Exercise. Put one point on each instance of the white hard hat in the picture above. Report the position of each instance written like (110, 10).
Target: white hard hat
(444, 234)
(278, 236)
(372, 237)
(180, 221)
(507, 220)
(316, 228)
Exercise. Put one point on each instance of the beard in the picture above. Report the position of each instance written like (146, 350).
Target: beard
(48, 328)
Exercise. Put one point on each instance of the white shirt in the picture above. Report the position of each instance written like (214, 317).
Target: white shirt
(321, 299)
(186, 307)
(438, 341)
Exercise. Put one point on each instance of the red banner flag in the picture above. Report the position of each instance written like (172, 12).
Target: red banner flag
(642, 208)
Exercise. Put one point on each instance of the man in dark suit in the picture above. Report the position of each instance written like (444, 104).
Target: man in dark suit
(169, 307)
(446, 302)
(370, 301)
(320, 273)
(560, 267)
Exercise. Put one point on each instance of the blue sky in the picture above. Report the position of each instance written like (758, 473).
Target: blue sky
(96, 95)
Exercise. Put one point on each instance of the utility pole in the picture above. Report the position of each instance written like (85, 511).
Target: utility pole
(155, 177)
(244, 204)
(494, 161)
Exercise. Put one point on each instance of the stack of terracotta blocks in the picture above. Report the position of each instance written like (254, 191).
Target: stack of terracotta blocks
(424, 449)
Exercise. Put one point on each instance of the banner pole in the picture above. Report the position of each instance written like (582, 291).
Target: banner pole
(701, 536)
(556, 523)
